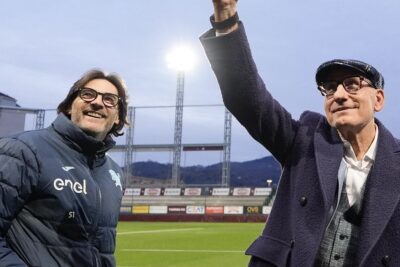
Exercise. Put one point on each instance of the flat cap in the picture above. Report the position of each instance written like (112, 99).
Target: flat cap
(352, 66)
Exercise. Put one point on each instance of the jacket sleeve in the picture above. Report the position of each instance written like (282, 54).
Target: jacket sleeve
(18, 175)
(245, 94)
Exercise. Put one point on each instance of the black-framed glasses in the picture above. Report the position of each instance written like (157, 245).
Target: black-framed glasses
(89, 95)
(350, 84)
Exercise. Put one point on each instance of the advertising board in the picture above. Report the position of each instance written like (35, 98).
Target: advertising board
(140, 209)
(132, 192)
(172, 192)
(152, 192)
(262, 191)
(220, 191)
(252, 209)
(241, 191)
(233, 210)
(195, 209)
(215, 210)
(193, 191)
(158, 210)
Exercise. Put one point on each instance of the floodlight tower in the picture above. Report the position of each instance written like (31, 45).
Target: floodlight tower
(226, 169)
(129, 147)
(181, 59)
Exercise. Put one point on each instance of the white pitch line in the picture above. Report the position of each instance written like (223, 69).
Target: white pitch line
(184, 250)
(159, 231)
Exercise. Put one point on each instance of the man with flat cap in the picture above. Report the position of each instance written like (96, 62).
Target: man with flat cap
(338, 201)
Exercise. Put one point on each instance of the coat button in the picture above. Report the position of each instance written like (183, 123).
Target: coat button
(386, 260)
(303, 201)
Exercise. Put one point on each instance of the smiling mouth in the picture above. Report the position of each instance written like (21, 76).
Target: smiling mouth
(94, 114)
(341, 109)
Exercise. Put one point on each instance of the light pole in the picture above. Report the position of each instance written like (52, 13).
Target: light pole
(180, 59)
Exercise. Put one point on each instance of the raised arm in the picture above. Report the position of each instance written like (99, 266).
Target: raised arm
(243, 91)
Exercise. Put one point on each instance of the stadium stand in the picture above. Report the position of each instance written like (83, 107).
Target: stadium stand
(196, 204)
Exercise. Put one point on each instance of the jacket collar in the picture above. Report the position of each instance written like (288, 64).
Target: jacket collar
(78, 138)
(328, 154)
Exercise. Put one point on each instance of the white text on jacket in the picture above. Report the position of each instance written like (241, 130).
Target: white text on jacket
(60, 184)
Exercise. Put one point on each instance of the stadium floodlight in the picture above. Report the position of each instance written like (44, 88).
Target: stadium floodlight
(181, 58)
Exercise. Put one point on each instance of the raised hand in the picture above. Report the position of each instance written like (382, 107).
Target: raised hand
(223, 9)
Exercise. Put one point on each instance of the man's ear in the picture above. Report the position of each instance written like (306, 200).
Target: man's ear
(380, 100)
(116, 121)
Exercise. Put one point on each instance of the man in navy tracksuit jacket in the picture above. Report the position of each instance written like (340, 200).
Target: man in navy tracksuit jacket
(60, 193)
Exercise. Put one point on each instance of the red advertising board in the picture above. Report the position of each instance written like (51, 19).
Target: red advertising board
(215, 210)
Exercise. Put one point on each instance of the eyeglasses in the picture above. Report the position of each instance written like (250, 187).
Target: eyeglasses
(350, 84)
(89, 95)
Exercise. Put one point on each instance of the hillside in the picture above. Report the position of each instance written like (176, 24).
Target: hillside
(249, 173)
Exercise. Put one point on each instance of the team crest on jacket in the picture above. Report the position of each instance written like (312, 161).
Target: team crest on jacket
(116, 178)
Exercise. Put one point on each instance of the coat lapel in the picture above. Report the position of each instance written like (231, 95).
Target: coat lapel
(381, 194)
(328, 154)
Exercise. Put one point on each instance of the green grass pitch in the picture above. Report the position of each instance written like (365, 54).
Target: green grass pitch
(163, 244)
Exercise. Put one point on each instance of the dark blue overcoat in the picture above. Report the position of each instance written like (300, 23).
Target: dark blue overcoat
(309, 151)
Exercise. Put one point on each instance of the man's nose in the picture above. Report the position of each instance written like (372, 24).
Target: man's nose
(340, 92)
(98, 101)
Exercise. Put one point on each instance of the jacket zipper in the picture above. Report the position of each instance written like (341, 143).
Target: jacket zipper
(97, 211)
